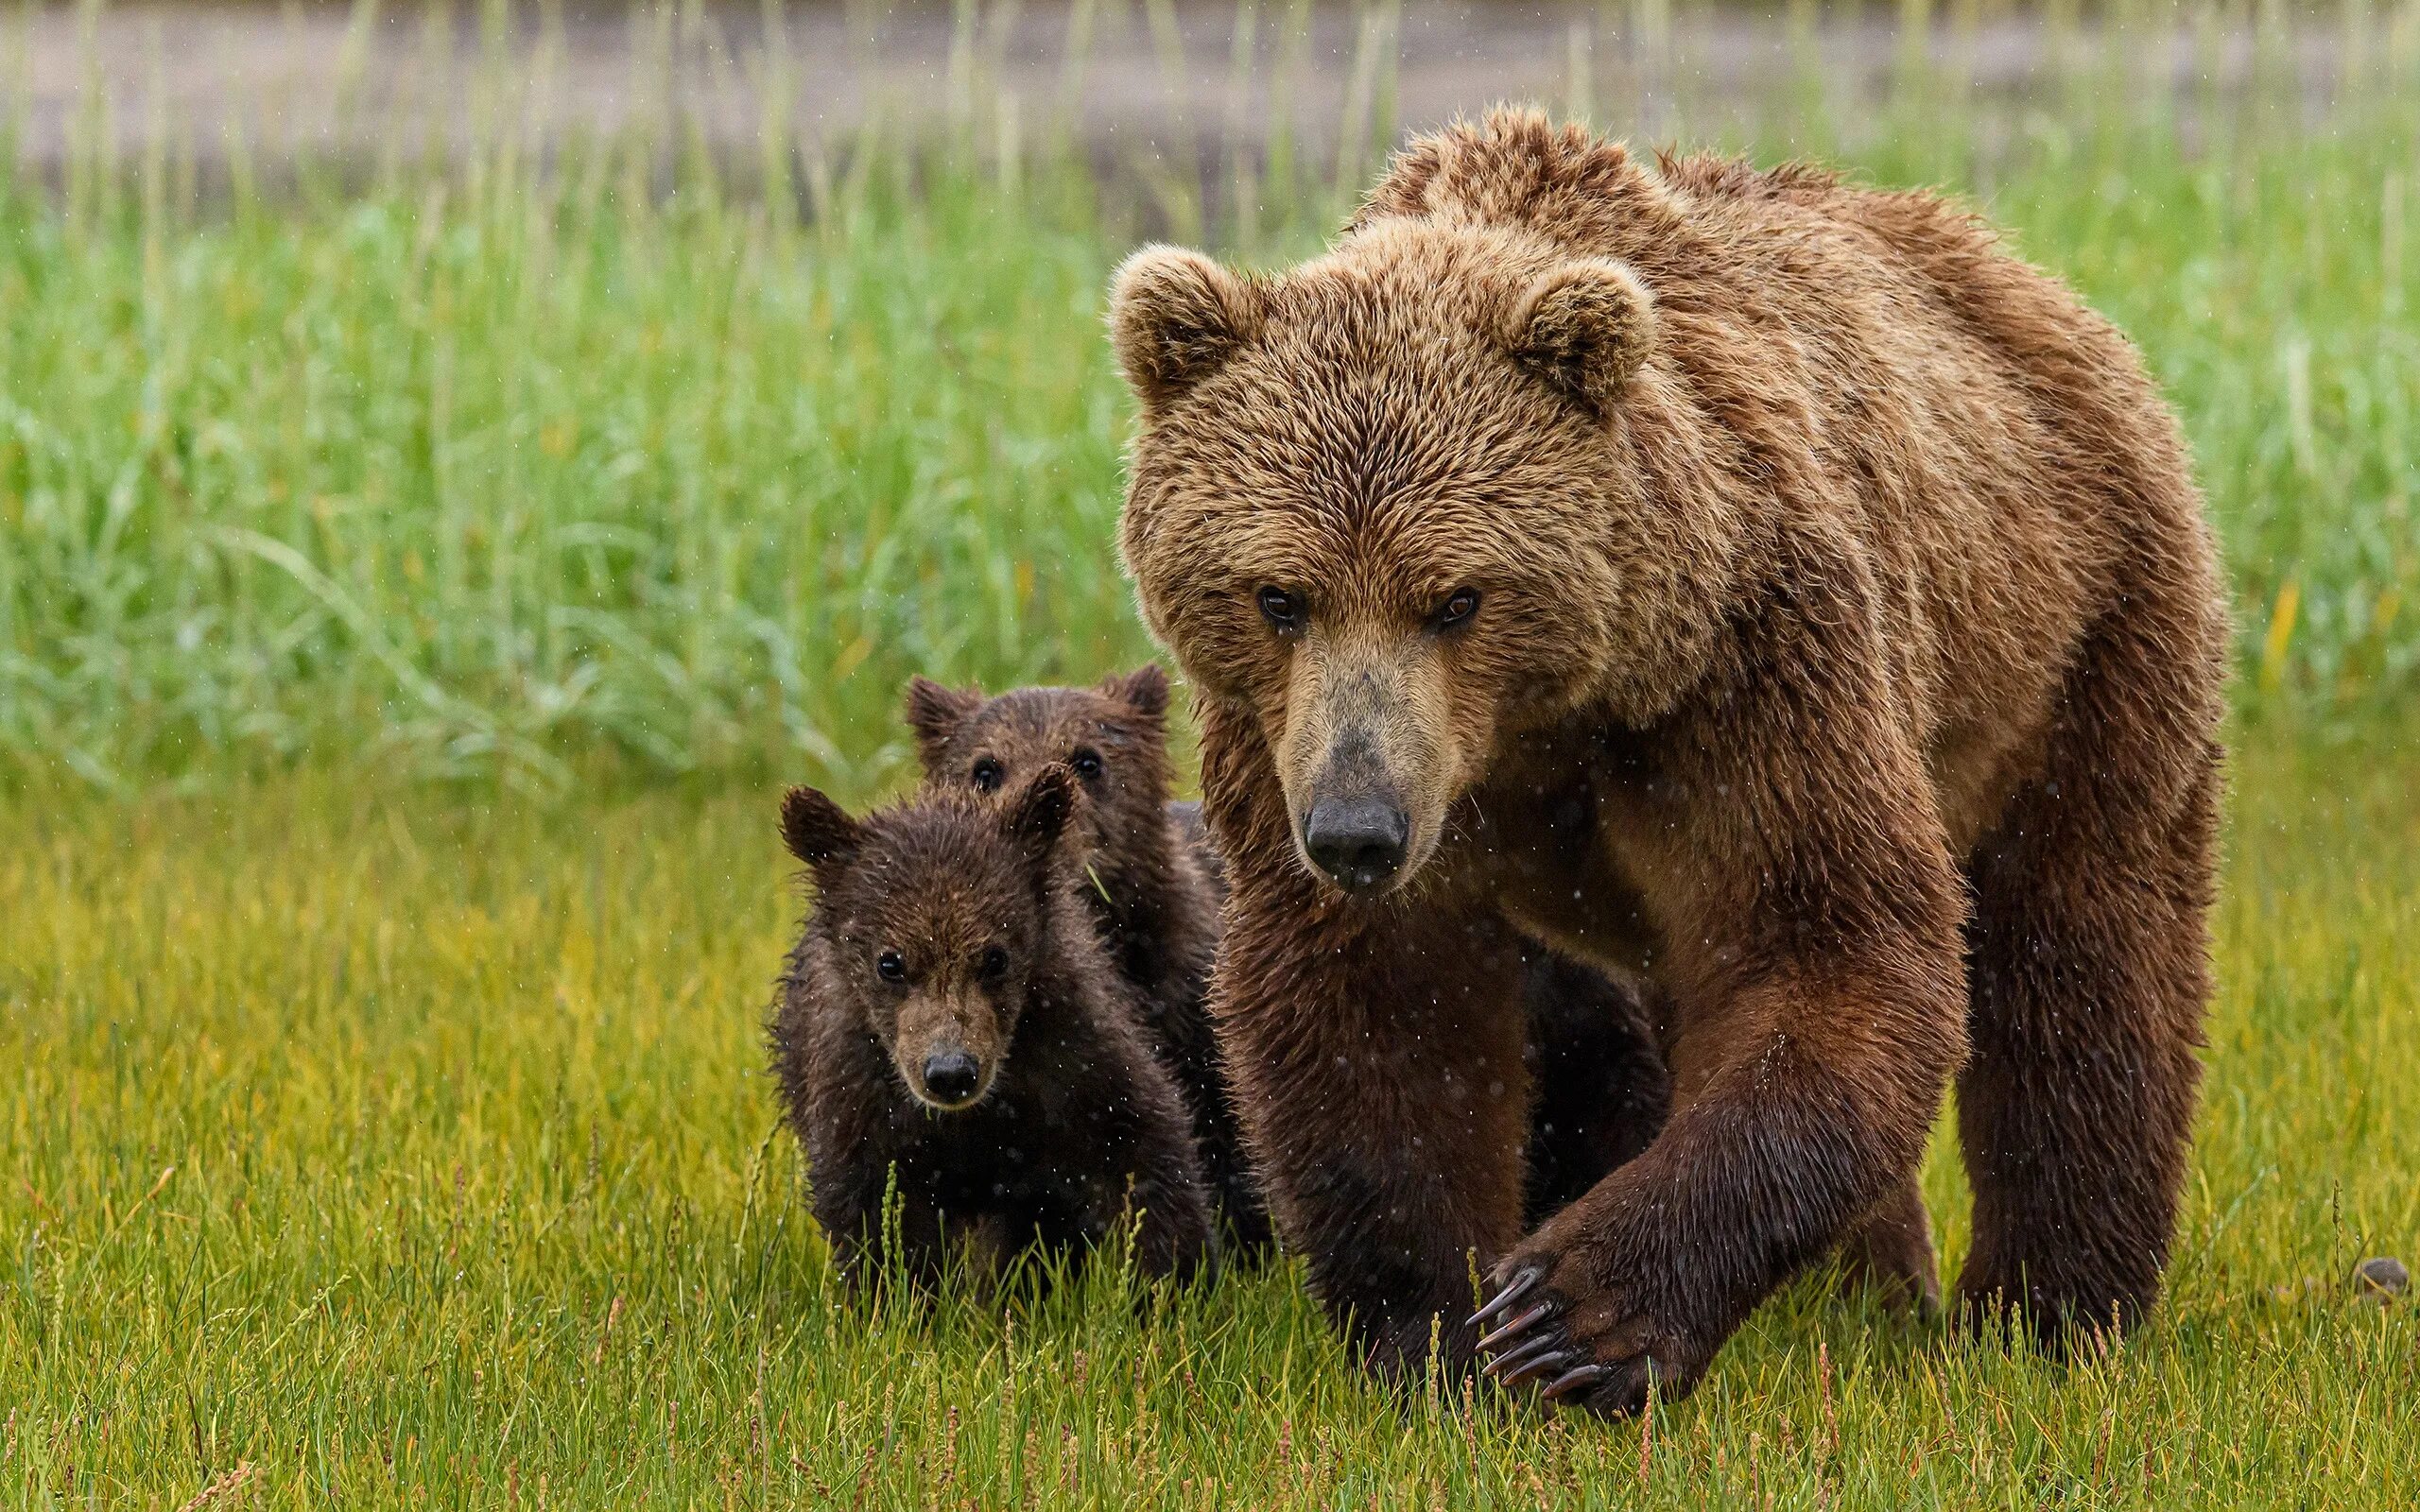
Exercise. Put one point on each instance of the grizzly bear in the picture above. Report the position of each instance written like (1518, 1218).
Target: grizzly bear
(1761, 584)
(949, 1037)
(1155, 906)
(1156, 885)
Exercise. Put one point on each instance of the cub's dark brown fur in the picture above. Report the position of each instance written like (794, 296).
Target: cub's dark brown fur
(1600, 1085)
(1760, 583)
(1156, 908)
(948, 1015)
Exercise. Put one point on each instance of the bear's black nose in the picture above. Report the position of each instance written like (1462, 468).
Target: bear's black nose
(1358, 841)
(950, 1076)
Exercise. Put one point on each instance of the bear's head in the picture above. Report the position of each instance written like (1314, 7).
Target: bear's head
(935, 917)
(1112, 736)
(1382, 505)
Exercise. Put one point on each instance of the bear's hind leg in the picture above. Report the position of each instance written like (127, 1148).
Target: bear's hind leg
(1891, 1250)
(2089, 974)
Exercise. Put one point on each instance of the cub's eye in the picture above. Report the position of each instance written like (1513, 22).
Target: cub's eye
(986, 775)
(1086, 762)
(890, 965)
(994, 964)
(1282, 609)
(1459, 606)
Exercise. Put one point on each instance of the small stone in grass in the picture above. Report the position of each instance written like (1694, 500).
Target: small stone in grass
(2382, 1280)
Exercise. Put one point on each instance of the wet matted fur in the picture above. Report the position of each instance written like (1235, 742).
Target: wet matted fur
(948, 925)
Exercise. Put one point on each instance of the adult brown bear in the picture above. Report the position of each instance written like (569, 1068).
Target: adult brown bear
(1759, 584)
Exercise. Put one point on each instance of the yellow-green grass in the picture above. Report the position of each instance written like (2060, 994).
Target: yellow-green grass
(416, 1149)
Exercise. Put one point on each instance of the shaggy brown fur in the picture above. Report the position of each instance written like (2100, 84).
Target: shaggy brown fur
(1765, 585)
(1157, 884)
(1157, 910)
(948, 1016)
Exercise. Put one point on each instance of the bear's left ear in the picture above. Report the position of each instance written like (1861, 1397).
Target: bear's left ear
(1175, 316)
(817, 831)
(1145, 690)
(934, 713)
(1585, 327)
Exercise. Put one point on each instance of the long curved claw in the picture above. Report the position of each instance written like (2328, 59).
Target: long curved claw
(1513, 1292)
(1546, 1363)
(1517, 1325)
(1572, 1381)
(1512, 1359)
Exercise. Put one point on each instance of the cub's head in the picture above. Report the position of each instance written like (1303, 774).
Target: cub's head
(935, 915)
(1381, 502)
(1112, 737)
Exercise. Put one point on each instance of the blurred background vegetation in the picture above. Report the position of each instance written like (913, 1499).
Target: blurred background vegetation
(505, 392)
(538, 400)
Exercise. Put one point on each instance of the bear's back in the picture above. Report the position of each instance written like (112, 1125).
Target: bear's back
(1993, 450)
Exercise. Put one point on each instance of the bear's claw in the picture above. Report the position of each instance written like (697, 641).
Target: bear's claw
(1544, 1361)
(1513, 1291)
(1540, 1343)
(1532, 1338)
(1514, 1359)
(1518, 1325)
(1573, 1380)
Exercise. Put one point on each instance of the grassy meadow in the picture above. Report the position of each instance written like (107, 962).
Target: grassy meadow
(413, 1153)
(415, 575)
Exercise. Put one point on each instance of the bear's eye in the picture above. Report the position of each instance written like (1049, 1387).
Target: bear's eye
(1460, 606)
(890, 965)
(994, 964)
(1282, 609)
(1086, 762)
(987, 776)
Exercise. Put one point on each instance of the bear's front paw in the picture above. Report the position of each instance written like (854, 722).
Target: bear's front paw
(1584, 1339)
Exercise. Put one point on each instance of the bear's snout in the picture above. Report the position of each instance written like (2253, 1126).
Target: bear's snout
(951, 1078)
(1358, 841)
(948, 1049)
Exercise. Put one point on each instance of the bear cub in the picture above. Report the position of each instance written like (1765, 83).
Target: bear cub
(948, 1020)
(1153, 891)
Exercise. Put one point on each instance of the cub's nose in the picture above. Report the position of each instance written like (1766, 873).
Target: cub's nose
(951, 1076)
(1358, 841)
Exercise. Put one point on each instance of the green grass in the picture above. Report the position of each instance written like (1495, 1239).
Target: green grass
(492, 469)
(411, 1150)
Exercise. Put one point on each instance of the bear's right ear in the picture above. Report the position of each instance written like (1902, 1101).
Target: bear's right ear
(1175, 316)
(934, 713)
(1145, 690)
(817, 831)
(1585, 327)
(1041, 811)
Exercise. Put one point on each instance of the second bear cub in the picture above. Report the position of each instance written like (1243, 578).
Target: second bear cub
(1152, 897)
(949, 1024)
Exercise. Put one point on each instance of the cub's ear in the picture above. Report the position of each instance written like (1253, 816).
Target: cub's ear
(1041, 811)
(934, 713)
(1585, 327)
(817, 831)
(1175, 315)
(1145, 690)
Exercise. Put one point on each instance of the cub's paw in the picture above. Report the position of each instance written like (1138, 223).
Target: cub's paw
(1583, 1343)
